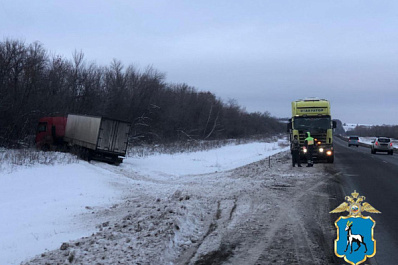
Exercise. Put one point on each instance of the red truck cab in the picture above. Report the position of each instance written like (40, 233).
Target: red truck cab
(50, 132)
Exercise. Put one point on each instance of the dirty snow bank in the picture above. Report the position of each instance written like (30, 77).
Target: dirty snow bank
(147, 206)
(230, 216)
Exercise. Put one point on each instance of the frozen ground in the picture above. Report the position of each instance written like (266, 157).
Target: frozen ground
(225, 204)
(40, 206)
(351, 126)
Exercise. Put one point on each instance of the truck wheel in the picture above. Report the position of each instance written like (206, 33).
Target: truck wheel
(86, 155)
(330, 159)
(89, 155)
(391, 152)
(372, 151)
(82, 153)
(45, 148)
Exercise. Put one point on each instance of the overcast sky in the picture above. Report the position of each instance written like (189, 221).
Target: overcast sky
(264, 54)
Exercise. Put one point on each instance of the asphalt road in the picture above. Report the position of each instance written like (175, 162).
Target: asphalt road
(374, 176)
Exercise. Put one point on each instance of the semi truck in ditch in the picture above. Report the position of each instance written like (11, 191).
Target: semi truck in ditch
(91, 137)
(313, 115)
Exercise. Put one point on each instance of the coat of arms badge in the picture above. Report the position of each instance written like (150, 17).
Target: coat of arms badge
(355, 242)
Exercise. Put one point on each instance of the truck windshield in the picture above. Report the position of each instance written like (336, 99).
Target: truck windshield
(316, 123)
(42, 127)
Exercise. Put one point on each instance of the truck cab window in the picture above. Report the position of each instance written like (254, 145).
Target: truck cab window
(323, 123)
(42, 127)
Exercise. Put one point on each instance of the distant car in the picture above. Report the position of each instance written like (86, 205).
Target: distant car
(382, 144)
(353, 140)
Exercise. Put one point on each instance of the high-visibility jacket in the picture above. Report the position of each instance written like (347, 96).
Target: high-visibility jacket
(309, 140)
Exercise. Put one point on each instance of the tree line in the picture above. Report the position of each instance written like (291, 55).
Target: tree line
(390, 131)
(34, 84)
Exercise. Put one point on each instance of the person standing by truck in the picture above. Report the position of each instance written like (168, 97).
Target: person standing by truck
(309, 144)
(295, 152)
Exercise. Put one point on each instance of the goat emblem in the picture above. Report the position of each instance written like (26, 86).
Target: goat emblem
(351, 238)
(355, 230)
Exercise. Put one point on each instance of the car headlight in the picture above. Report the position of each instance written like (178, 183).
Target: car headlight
(305, 150)
(320, 150)
(329, 153)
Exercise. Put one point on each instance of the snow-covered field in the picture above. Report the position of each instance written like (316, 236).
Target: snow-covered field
(220, 159)
(366, 140)
(351, 126)
(40, 206)
(44, 205)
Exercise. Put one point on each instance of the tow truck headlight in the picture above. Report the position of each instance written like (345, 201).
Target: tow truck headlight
(304, 150)
(329, 153)
(321, 150)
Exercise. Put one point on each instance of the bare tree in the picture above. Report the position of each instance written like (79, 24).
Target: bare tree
(34, 84)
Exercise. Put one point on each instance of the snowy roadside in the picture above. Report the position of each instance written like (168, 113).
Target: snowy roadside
(40, 205)
(254, 214)
(367, 141)
(46, 204)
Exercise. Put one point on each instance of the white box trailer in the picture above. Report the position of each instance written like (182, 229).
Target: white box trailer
(97, 138)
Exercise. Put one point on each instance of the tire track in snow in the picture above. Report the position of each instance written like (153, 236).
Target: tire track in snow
(284, 219)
